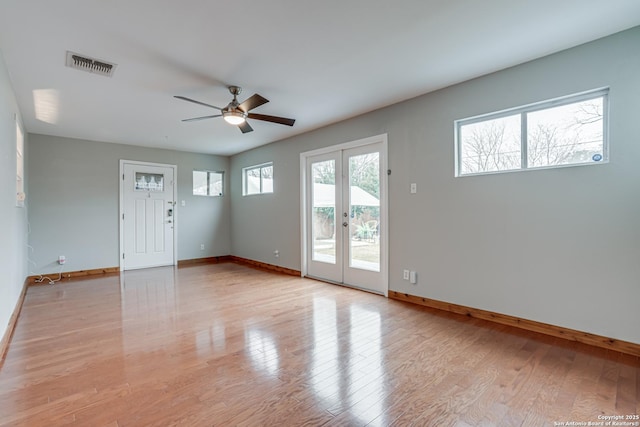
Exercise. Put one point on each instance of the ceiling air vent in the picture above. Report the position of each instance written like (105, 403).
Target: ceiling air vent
(90, 65)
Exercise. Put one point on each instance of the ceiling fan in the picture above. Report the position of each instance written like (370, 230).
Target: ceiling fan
(237, 113)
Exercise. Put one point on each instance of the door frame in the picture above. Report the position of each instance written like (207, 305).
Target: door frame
(384, 200)
(121, 207)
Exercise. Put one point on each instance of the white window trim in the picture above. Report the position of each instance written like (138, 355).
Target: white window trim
(245, 182)
(523, 111)
(20, 172)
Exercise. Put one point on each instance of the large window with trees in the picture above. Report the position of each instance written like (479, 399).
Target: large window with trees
(560, 132)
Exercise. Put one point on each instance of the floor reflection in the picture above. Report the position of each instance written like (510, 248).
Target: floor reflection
(262, 350)
(325, 364)
(366, 341)
(347, 364)
(149, 307)
(344, 369)
(211, 340)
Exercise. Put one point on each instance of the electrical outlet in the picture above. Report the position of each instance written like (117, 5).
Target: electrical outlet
(62, 259)
(276, 253)
(202, 246)
(405, 275)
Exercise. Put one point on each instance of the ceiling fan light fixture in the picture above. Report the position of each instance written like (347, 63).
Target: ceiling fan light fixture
(233, 117)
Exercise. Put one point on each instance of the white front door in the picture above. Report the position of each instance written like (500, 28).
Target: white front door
(147, 215)
(345, 217)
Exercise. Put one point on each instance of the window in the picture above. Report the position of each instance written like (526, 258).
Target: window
(208, 183)
(20, 196)
(149, 182)
(257, 179)
(560, 132)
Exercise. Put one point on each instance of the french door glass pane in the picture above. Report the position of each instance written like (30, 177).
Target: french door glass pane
(323, 224)
(364, 208)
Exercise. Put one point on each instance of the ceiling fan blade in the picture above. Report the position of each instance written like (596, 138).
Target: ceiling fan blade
(196, 102)
(244, 127)
(252, 102)
(272, 119)
(201, 118)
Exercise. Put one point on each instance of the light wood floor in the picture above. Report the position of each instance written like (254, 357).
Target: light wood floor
(228, 345)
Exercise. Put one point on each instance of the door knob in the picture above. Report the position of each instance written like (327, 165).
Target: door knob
(345, 224)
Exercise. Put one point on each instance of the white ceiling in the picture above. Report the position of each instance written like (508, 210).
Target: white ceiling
(316, 61)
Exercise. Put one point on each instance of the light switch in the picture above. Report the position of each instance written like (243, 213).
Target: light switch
(183, 203)
(414, 188)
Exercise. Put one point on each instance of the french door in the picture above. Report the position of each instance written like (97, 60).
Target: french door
(345, 217)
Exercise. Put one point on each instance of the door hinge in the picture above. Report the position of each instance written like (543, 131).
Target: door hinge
(123, 256)
(123, 217)
(123, 177)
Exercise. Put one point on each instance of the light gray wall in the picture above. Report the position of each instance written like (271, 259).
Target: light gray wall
(13, 220)
(559, 246)
(74, 192)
